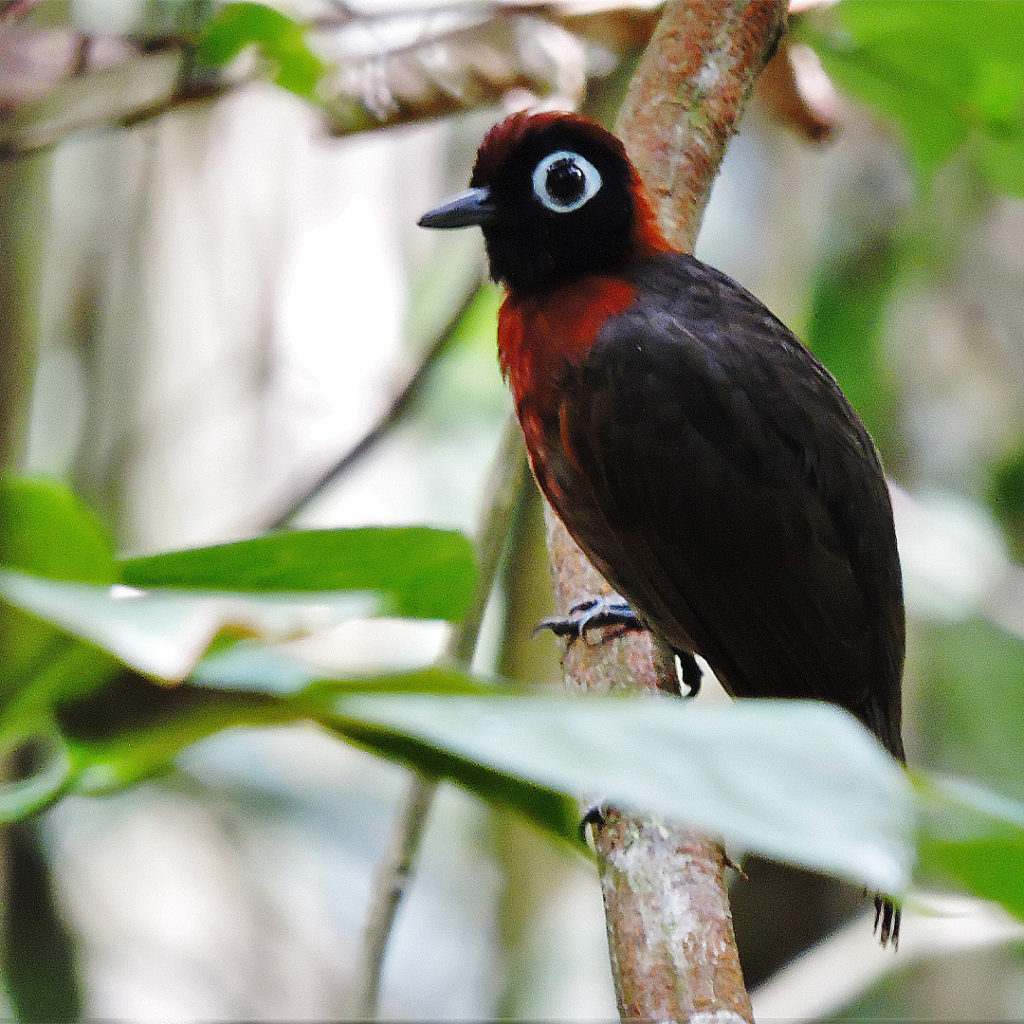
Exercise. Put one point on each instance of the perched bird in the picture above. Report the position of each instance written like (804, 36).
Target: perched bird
(703, 459)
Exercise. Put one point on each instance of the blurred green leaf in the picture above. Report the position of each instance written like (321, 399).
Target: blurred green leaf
(1005, 497)
(949, 72)
(38, 952)
(40, 771)
(848, 307)
(45, 530)
(132, 729)
(974, 837)
(971, 717)
(418, 572)
(280, 40)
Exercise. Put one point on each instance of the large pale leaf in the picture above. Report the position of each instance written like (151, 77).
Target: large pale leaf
(796, 781)
(801, 782)
(163, 634)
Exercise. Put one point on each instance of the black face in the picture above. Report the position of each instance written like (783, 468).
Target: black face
(559, 205)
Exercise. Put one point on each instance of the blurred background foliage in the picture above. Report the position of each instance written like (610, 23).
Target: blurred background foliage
(212, 288)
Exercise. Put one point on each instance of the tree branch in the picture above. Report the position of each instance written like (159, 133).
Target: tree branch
(55, 83)
(670, 932)
(391, 417)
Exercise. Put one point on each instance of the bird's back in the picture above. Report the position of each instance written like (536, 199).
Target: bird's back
(716, 474)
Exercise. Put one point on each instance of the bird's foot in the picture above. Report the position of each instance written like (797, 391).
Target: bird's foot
(594, 815)
(734, 865)
(887, 914)
(595, 613)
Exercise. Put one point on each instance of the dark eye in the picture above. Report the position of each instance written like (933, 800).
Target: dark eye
(564, 181)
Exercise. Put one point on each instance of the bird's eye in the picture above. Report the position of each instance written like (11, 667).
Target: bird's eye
(564, 181)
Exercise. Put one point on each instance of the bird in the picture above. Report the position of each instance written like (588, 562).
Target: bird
(700, 455)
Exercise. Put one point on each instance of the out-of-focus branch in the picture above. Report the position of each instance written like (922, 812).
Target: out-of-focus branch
(387, 68)
(390, 418)
(393, 876)
(508, 477)
(669, 927)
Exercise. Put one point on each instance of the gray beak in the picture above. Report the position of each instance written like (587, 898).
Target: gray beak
(472, 207)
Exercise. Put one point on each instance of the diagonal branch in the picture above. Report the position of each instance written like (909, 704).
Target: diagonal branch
(670, 932)
(392, 416)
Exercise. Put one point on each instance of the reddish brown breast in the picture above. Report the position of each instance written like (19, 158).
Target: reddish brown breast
(538, 337)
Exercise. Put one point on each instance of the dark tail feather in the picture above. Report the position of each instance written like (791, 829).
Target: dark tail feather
(887, 914)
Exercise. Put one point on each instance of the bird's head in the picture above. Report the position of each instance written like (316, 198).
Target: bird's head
(557, 198)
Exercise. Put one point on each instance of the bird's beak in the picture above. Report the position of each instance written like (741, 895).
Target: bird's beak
(474, 206)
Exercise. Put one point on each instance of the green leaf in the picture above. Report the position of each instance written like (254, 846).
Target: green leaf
(1005, 495)
(974, 837)
(945, 70)
(797, 781)
(45, 530)
(280, 40)
(38, 952)
(848, 307)
(418, 572)
(973, 668)
(800, 782)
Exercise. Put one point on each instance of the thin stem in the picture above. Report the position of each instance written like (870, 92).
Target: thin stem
(393, 876)
(391, 417)
(508, 477)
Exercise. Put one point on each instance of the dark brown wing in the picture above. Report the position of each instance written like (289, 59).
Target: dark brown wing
(722, 482)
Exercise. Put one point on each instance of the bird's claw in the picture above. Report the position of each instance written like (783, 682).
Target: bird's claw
(691, 674)
(594, 613)
(887, 914)
(593, 816)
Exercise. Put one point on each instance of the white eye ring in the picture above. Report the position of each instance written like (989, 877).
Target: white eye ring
(591, 181)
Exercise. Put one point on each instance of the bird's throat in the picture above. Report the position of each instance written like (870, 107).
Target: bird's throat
(540, 334)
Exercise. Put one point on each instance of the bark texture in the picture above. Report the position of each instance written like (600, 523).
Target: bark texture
(670, 933)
